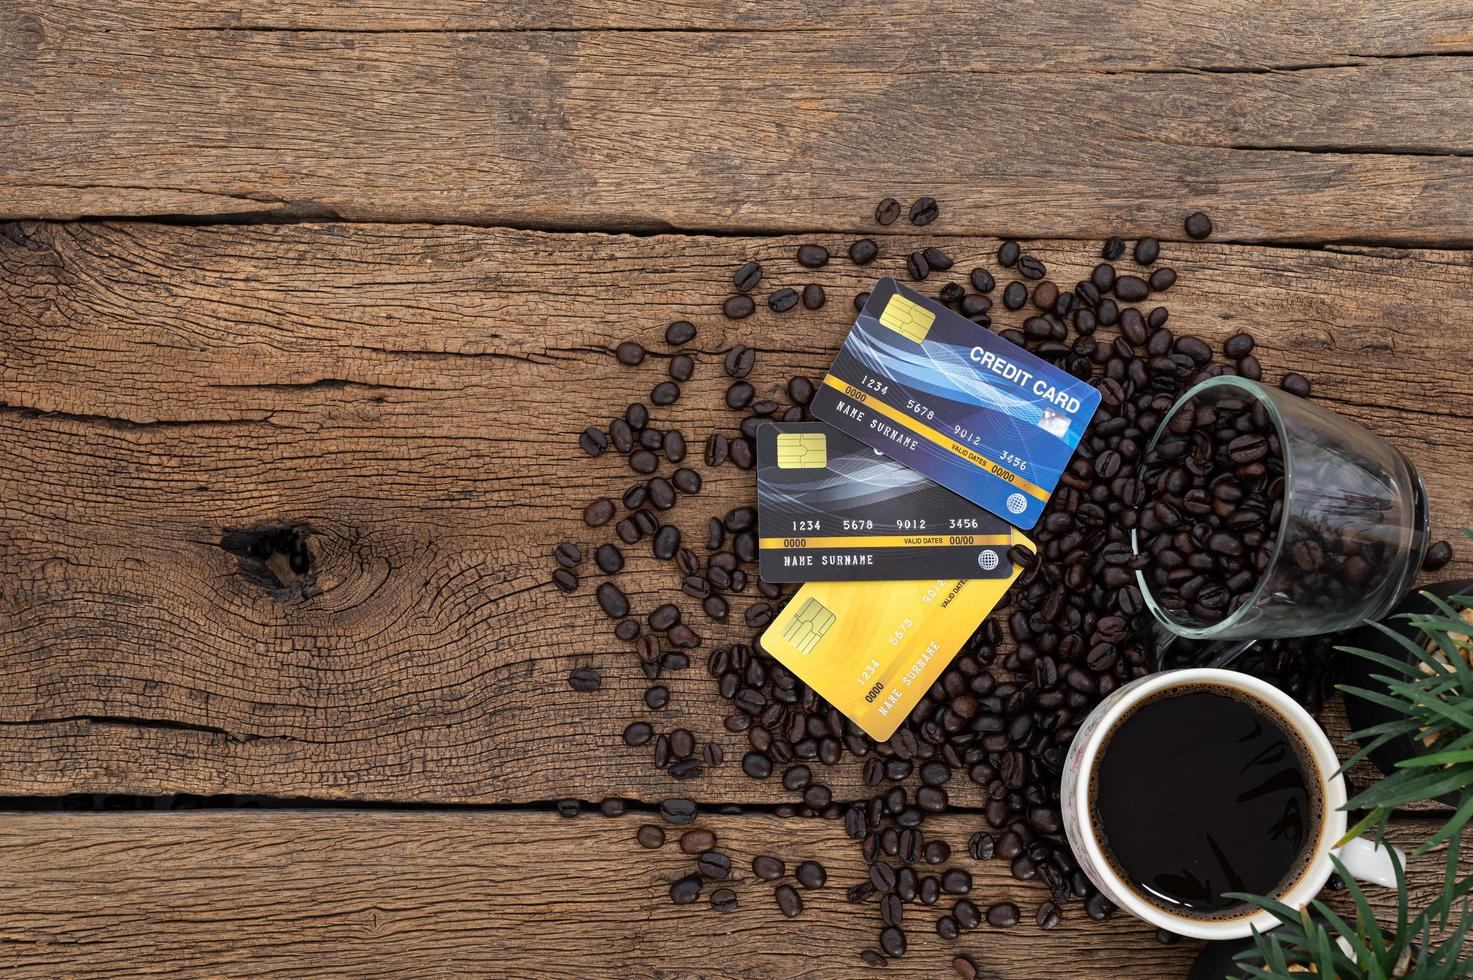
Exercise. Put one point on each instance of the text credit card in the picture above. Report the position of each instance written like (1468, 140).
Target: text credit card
(831, 509)
(978, 415)
(872, 649)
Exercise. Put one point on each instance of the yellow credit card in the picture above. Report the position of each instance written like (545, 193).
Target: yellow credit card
(872, 649)
(907, 318)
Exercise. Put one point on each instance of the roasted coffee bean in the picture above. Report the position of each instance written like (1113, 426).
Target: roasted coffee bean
(924, 211)
(1131, 289)
(621, 434)
(789, 902)
(714, 865)
(756, 765)
(887, 211)
(738, 307)
(1003, 915)
(716, 449)
(758, 615)
(739, 395)
(1049, 915)
(1248, 367)
(1045, 295)
(741, 453)
(951, 294)
(674, 446)
(980, 846)
(612, 601)
(697, 841)
(892, 941)
(687, 890)
(1198, 225)
(627, 630)
(1295, 384)
(739, 361)
(593, 441)
(938, 260)
(1098, 907)
(686, 480)
(678, 811)
(748, 276)
(1237, 346)
(1437, 556)
(568, 554)
(965, 967)
(565, 579)
(782, 300)
(667, 542)
(1162, 279)
(767, 868)
(1113, 248)
(724, 900)
(982, 280)
(665, 393)
(975, 304)
(947, 927)
(864, 251)
(584, 679)
(1146, 251)
(661, 493)
(917, 267)
(598, 513)
(813, 256)
(811, 874)
(956, 881)
(650, 836)
(680, 333)
(966, 914)
(629, 353)
(1015, 295)
(664, 617)
(1007, 254)
(638, 733)
(655, 698)
(1031, 268)
(813, 297)
(682, 366)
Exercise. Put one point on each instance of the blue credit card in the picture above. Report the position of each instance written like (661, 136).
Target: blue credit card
(980, 416)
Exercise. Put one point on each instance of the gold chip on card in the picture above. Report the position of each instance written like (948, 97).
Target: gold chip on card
(802, 451)
(910, 320)
(809, 626)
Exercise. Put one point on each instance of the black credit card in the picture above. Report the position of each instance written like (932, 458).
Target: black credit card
(831, 509)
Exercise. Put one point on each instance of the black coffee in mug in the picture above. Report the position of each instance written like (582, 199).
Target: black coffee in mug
(1205, 790)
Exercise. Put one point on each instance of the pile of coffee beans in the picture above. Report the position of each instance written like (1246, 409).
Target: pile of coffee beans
(1214, 490)
(1004, 712)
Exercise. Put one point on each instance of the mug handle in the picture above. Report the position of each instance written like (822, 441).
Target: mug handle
(1370, 860)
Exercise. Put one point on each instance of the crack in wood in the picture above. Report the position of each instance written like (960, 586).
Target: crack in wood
(149, 723)
(119, 422)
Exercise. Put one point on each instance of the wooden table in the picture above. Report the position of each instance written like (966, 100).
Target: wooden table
(358, 269)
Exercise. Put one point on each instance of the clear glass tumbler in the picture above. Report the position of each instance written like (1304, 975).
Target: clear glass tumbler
(1352, 530)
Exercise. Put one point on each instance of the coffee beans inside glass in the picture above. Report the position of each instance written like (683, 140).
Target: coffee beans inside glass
(1266, 515)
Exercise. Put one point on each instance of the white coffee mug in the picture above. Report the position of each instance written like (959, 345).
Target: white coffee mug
(1362, 858)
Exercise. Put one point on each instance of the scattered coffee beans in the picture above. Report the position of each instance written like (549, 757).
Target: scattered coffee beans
(1001, 717)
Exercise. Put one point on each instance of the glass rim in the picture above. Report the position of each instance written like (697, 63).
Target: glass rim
(1264, 396)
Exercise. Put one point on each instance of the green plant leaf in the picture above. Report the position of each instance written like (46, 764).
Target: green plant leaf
(1449, 758)
(1409, 786)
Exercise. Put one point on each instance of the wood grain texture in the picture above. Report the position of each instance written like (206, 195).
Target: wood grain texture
(1297, 122)
(413, 396)
(266, 893)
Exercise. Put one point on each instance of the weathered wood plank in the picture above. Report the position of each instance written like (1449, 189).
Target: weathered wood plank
(1297, 123)
(262, 893)
(413, 395)
(1234, 33)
